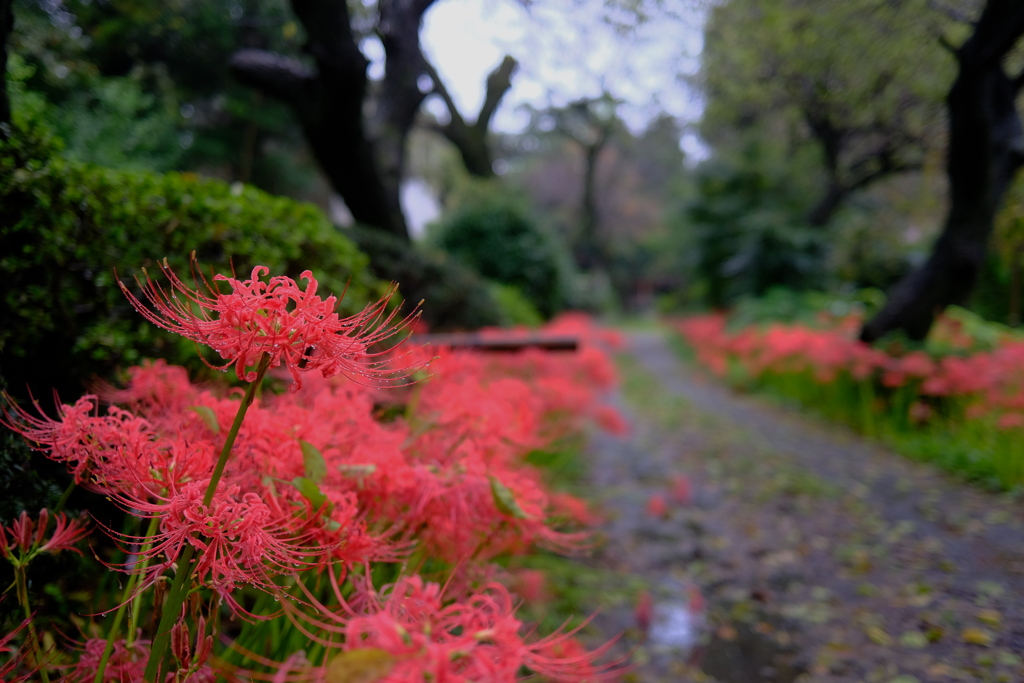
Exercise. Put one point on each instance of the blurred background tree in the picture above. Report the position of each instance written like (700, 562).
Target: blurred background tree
(816, 161)
(861, 81)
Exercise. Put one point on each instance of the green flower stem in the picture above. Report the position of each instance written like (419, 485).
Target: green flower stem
(179, 591)
(35, 647)
(250, 396)
(126, 598)
(63, 499)
(133, 609)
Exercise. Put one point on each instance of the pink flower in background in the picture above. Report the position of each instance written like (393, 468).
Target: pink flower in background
(127, 662)
(531, 585)
(295, 327)
(680, 490)
(643, 613)
(611, 420)
(1010, 421)
(656, 506)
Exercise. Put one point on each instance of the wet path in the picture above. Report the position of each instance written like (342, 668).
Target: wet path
(820, 557)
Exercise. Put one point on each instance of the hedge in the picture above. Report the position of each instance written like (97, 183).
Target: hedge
(66, 226)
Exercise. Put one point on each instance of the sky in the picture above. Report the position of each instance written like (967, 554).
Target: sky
(566, 51)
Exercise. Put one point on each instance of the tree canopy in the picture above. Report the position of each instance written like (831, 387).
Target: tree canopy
(863, 80)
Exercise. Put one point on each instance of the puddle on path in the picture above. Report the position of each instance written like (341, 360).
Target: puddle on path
(744, 652)
(674, 627)
(759, 651)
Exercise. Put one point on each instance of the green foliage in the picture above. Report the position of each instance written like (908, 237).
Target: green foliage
(65, 226)
(870, 70)
(454, 296)
(116, 124)
(984, 335)
(805, 307)
(998, 293)
(869, 244)
(495, 236)
(515, 308)
(134, 84)
(744, 230)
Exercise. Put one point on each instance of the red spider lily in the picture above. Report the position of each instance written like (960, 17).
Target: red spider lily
(13, 670)
(118, 452)
(643, 611)
(240, 538)
(476, 639)
(192, 659)
(24, 539)
(680, 490)
(127, 664)
(612, 421)
(66, 439)
(295, 327)
(657, 506)
(531, 586)
(155, 388)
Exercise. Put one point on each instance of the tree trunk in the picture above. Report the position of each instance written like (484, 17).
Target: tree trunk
(472, 139)
(986, 142)
(591, 254)
(826, 207)
(359, 146)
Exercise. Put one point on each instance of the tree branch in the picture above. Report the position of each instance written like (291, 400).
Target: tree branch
(499, 82)
(471, 139)
(985, 135)
(330, 39)
(283, 78)
(441, 91)
(997, 30)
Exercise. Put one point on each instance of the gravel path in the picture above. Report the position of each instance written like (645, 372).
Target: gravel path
(818, 556)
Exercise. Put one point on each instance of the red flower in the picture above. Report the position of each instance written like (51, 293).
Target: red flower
(297, 328)
(240, 538)
(478, 639)
(24, 539)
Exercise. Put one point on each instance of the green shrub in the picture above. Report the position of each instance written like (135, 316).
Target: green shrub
(803, 306)
(515, 309)
(65, 226)
(495, 236)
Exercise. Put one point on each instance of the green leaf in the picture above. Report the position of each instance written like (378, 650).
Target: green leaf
(364, 665)
(313, 461)
(504, 500)
(209, 417)
(914, 640)
(310, 491)
(350, 470)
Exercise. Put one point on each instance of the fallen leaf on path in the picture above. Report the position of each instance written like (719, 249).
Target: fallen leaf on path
(914, 640)
(977, 636)
(990, 617)
(878, 635)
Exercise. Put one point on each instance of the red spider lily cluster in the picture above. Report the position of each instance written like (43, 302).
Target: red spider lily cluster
(312, 496)
(963, 384)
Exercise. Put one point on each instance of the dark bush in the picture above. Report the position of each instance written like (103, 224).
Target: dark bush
(496, 237)
(455, 297)
(65, 227)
